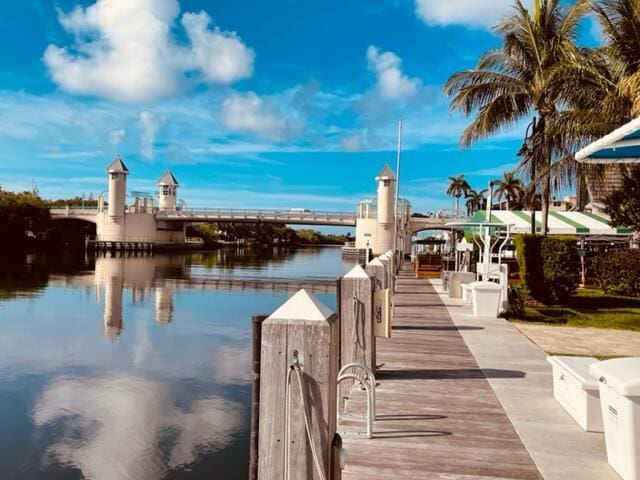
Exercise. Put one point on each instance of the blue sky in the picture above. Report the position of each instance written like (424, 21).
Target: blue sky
(251, 103)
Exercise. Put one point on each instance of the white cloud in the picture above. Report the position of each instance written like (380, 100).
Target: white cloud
(391, 82)
(116, 136)
(149, 125)
(125, 51)
(250, 113)
(470, 13)
(352, 143)
(221, 56)
(98, 413)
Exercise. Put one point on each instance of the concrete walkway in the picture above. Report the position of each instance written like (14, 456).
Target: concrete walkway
(590, 342)
(559, 447)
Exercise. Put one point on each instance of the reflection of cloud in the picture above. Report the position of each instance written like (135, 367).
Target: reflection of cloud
(232, 364)
(112, 426)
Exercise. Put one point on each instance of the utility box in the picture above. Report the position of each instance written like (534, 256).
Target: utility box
(619, 382)
(486, 299)
(577, 391)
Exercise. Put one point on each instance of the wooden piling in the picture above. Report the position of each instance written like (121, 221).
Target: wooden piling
(377, 269)
(255, 394)
(356, 318)
(300, 336)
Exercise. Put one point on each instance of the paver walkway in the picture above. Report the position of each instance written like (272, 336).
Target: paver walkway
(583, 341)
(437, 416)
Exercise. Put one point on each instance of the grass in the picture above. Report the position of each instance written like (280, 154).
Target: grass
(588, 308)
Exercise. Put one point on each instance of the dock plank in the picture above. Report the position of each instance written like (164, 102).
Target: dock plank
(437, 416)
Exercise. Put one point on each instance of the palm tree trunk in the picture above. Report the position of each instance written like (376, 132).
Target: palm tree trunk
(546, 193)
(533, 198)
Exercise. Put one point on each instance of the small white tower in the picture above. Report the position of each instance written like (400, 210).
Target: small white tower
(386, 219)
(118, 172)
(167, 191)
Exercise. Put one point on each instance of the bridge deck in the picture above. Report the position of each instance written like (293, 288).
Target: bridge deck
(437, 416)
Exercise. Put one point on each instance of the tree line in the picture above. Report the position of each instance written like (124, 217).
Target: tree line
(261, 235)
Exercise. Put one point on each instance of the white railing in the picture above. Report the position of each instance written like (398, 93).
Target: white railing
(256, 214)
(73, 211)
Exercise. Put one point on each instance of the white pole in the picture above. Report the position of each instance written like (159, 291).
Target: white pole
(395, 215)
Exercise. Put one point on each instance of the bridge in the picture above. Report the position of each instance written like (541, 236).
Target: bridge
(382, 223)
(221, 215)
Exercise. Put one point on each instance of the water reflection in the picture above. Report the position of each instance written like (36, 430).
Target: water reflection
(134, 366)
(109, 426)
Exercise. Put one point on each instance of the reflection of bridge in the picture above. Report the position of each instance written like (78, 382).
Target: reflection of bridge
(268, 283)
(165, 275)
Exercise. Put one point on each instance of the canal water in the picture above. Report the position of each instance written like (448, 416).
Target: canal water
(135, 368)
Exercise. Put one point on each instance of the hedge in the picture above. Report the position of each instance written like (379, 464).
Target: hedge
(549, 267)
(619, 272)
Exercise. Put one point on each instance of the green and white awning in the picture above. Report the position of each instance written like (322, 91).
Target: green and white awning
(560, 223)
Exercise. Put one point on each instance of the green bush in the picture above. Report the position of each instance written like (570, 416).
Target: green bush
(528, 249)
(549, 267)
(561, 265)
(619, 272)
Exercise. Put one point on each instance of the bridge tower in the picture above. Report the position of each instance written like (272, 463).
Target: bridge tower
(167, 191)
(118, 172)
(385, 230)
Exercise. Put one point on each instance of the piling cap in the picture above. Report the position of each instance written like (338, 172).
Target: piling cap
(117, 166)
(168, 179)
(356, 272)
(376, 263)
(386, 174)
(302, 306)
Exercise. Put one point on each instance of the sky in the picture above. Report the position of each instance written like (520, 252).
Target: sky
(250, 103)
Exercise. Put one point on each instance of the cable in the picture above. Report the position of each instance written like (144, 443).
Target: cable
(287, 453)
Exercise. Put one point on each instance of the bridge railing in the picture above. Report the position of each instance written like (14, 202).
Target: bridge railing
(74, 211)
(243, 214)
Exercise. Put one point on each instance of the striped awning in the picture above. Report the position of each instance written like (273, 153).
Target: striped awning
(560, 223)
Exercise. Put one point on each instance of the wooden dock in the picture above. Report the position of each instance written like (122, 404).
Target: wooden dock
(437, 416)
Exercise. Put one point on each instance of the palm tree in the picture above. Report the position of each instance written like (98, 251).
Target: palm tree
(514, 81)
(458, 186)
(601, 87)
(509, 187)
(475, 201)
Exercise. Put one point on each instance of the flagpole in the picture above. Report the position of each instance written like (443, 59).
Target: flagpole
(395, 214)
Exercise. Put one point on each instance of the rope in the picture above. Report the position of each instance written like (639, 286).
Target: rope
(287, 453)
(358, 332)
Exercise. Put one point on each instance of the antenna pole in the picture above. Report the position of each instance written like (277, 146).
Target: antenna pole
(395, 214)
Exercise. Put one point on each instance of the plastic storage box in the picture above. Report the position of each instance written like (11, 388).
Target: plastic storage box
(577, 391)
(619, 382)
(486, 299)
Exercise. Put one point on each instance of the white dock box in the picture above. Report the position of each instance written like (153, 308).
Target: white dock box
(486, 299)
(619, 382)
(577, 391)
